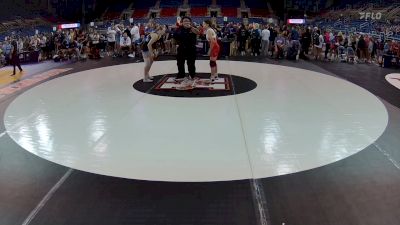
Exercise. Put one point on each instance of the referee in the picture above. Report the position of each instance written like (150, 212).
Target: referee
(186, 38)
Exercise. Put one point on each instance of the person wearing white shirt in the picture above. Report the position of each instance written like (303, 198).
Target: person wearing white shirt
(318, 44)
(135, 33)
(125, 43)
(34, 42)
(135, 39)
(211, 37)
(265, 34)
(111, 40)
(20, 45)
(118, 28)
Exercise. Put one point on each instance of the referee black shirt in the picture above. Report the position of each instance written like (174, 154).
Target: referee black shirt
(186, 39)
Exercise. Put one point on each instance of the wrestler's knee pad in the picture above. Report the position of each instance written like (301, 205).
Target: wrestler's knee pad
(213, 63)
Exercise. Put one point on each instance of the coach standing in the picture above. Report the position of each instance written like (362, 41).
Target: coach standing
(15, 56)
(186, 38)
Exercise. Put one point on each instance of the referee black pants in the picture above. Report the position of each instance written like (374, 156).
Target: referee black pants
(190, 57)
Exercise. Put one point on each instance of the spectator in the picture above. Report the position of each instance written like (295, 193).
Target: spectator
(272, 37)
(7, 51)
(15, 56)
(243, 35)
(265, 35)
(318, 41)
(2, 56)
(255, 40)
(125, 44)
(294, 35)
(135, 38)
(280, 46)
(305, 43)
(111, 33)
(362, 48)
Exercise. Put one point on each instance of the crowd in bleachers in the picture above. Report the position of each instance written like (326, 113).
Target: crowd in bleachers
(339, 36)
(268, 40)
(389, 10)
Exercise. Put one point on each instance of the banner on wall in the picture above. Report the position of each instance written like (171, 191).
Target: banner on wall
(69, 26)
(296, 21)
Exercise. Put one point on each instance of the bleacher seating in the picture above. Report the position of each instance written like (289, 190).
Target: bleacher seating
(259, 12)
(259, 4)
(167, 12)
(28, 31)
(9, 11)
(144, 4)
(170, 3)
(198, 11)
(111, 15)
(302, 4)
(119, 7)
(197, 20)
(140, 13)
(229, 12)
(229, 3)
(44, 28)
(115, 10)
(361, 26)
(199, 3)
(51, 18)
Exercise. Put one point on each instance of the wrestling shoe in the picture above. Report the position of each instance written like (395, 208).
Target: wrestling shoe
(178, 80)
(213, 78)
(147, 80)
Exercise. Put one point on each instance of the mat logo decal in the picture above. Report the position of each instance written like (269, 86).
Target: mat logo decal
(393, 79)
(220, 84)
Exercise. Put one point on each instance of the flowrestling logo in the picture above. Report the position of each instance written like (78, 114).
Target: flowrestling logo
(394, 79)
(370, 15)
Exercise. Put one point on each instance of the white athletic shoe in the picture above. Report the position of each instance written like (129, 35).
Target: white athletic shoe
(187, 81)
(131, 56)
(213, 78)
(147, 80)
(177, 80)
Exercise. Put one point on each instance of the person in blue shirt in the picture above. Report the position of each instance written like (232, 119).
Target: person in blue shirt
(7, 51)
(294, 35)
